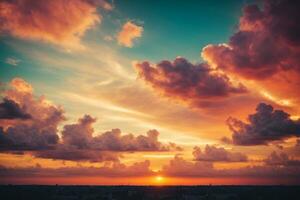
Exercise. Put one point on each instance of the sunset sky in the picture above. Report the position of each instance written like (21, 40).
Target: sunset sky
(149, 92)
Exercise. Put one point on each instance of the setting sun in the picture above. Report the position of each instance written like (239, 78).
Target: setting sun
(159, 179)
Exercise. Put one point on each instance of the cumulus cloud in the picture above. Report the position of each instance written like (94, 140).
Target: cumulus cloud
(61, 22)
(189, 82)
(264, 126)
(79, 143)
(40, 130)
(19, 85)
(267, 42)
(39, 134)
(23, 137)
(79, 135)
(113, 140)
(215, 154)
(129, 33)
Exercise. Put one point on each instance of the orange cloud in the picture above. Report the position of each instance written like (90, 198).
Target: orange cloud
(20, 85)
(61, 22)
(129, 32)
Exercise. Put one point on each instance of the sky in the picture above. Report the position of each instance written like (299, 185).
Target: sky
(147, 92)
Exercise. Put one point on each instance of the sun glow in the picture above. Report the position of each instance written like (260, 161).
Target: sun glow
(159, 179)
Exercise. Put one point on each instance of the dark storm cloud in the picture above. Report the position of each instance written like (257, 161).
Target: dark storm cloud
(11, 110)
(264, 126)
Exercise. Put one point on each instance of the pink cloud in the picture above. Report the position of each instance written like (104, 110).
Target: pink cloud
(267, 42)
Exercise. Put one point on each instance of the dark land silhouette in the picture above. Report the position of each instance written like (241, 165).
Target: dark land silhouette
(35, 192)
